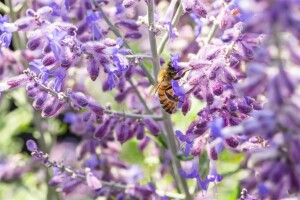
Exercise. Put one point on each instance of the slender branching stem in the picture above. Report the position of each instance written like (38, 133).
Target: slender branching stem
(171, 141)
(113, 185)
(175, 20)
(139, 56)
(151, 30)
(212, 32)
(142, 100)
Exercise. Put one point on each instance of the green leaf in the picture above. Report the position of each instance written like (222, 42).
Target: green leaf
(131, 154)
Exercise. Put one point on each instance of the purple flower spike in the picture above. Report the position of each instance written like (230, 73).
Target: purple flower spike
(31, 145)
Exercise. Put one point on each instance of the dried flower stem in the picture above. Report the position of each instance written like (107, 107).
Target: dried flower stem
(175, 20)
(118, 34)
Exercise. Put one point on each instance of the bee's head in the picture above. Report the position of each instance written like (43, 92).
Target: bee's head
(170, 67)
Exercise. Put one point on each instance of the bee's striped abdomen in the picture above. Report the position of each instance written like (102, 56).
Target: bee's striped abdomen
(167, 104)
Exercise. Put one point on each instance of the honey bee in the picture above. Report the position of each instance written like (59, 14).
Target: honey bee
(163, 87)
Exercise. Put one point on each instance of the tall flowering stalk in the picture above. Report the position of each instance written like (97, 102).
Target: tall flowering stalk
(236, 69)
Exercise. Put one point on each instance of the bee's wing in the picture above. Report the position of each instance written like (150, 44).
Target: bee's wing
(155, 88)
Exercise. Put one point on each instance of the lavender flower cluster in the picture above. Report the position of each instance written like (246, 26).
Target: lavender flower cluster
(237, 67)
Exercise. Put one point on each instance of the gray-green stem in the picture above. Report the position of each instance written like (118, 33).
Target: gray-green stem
(139, 95)
(151, 30)
(175, 20)
(42, 143)
(114, 185)
(171, 141)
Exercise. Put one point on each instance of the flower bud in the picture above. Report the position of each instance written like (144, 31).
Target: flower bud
(14, 82)
(48, 59)
(198, 146)
(128, 23)
(232, 142)
(67, 57)
(243, 108)
(78, 99)
(152, 126)
(129, 3)
(229, 77)
(233, 61)
(212, 153)
(92, 181)
(31, 145)
(86, 116)
(212, 54)
(186, 106)
(209, 98)
(44, 11)
(46, 48)
(122, 95)
(217, 88)
(144, 143)
(34, 42)
(133, 35)
(40, 100)
(188, 5)
(33, 92)
(93, 47)
(96, 108)
(25, 23)
(140, 131)
(122, 132)
(245, 50)
(52, 107)
(102, 130)
(30, 13)
(199, 9)
(93, 68)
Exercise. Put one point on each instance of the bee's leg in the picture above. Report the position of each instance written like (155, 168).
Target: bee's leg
(182, 75)
(170, 96)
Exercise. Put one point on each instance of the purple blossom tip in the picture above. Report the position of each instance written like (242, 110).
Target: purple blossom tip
(31, 145)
